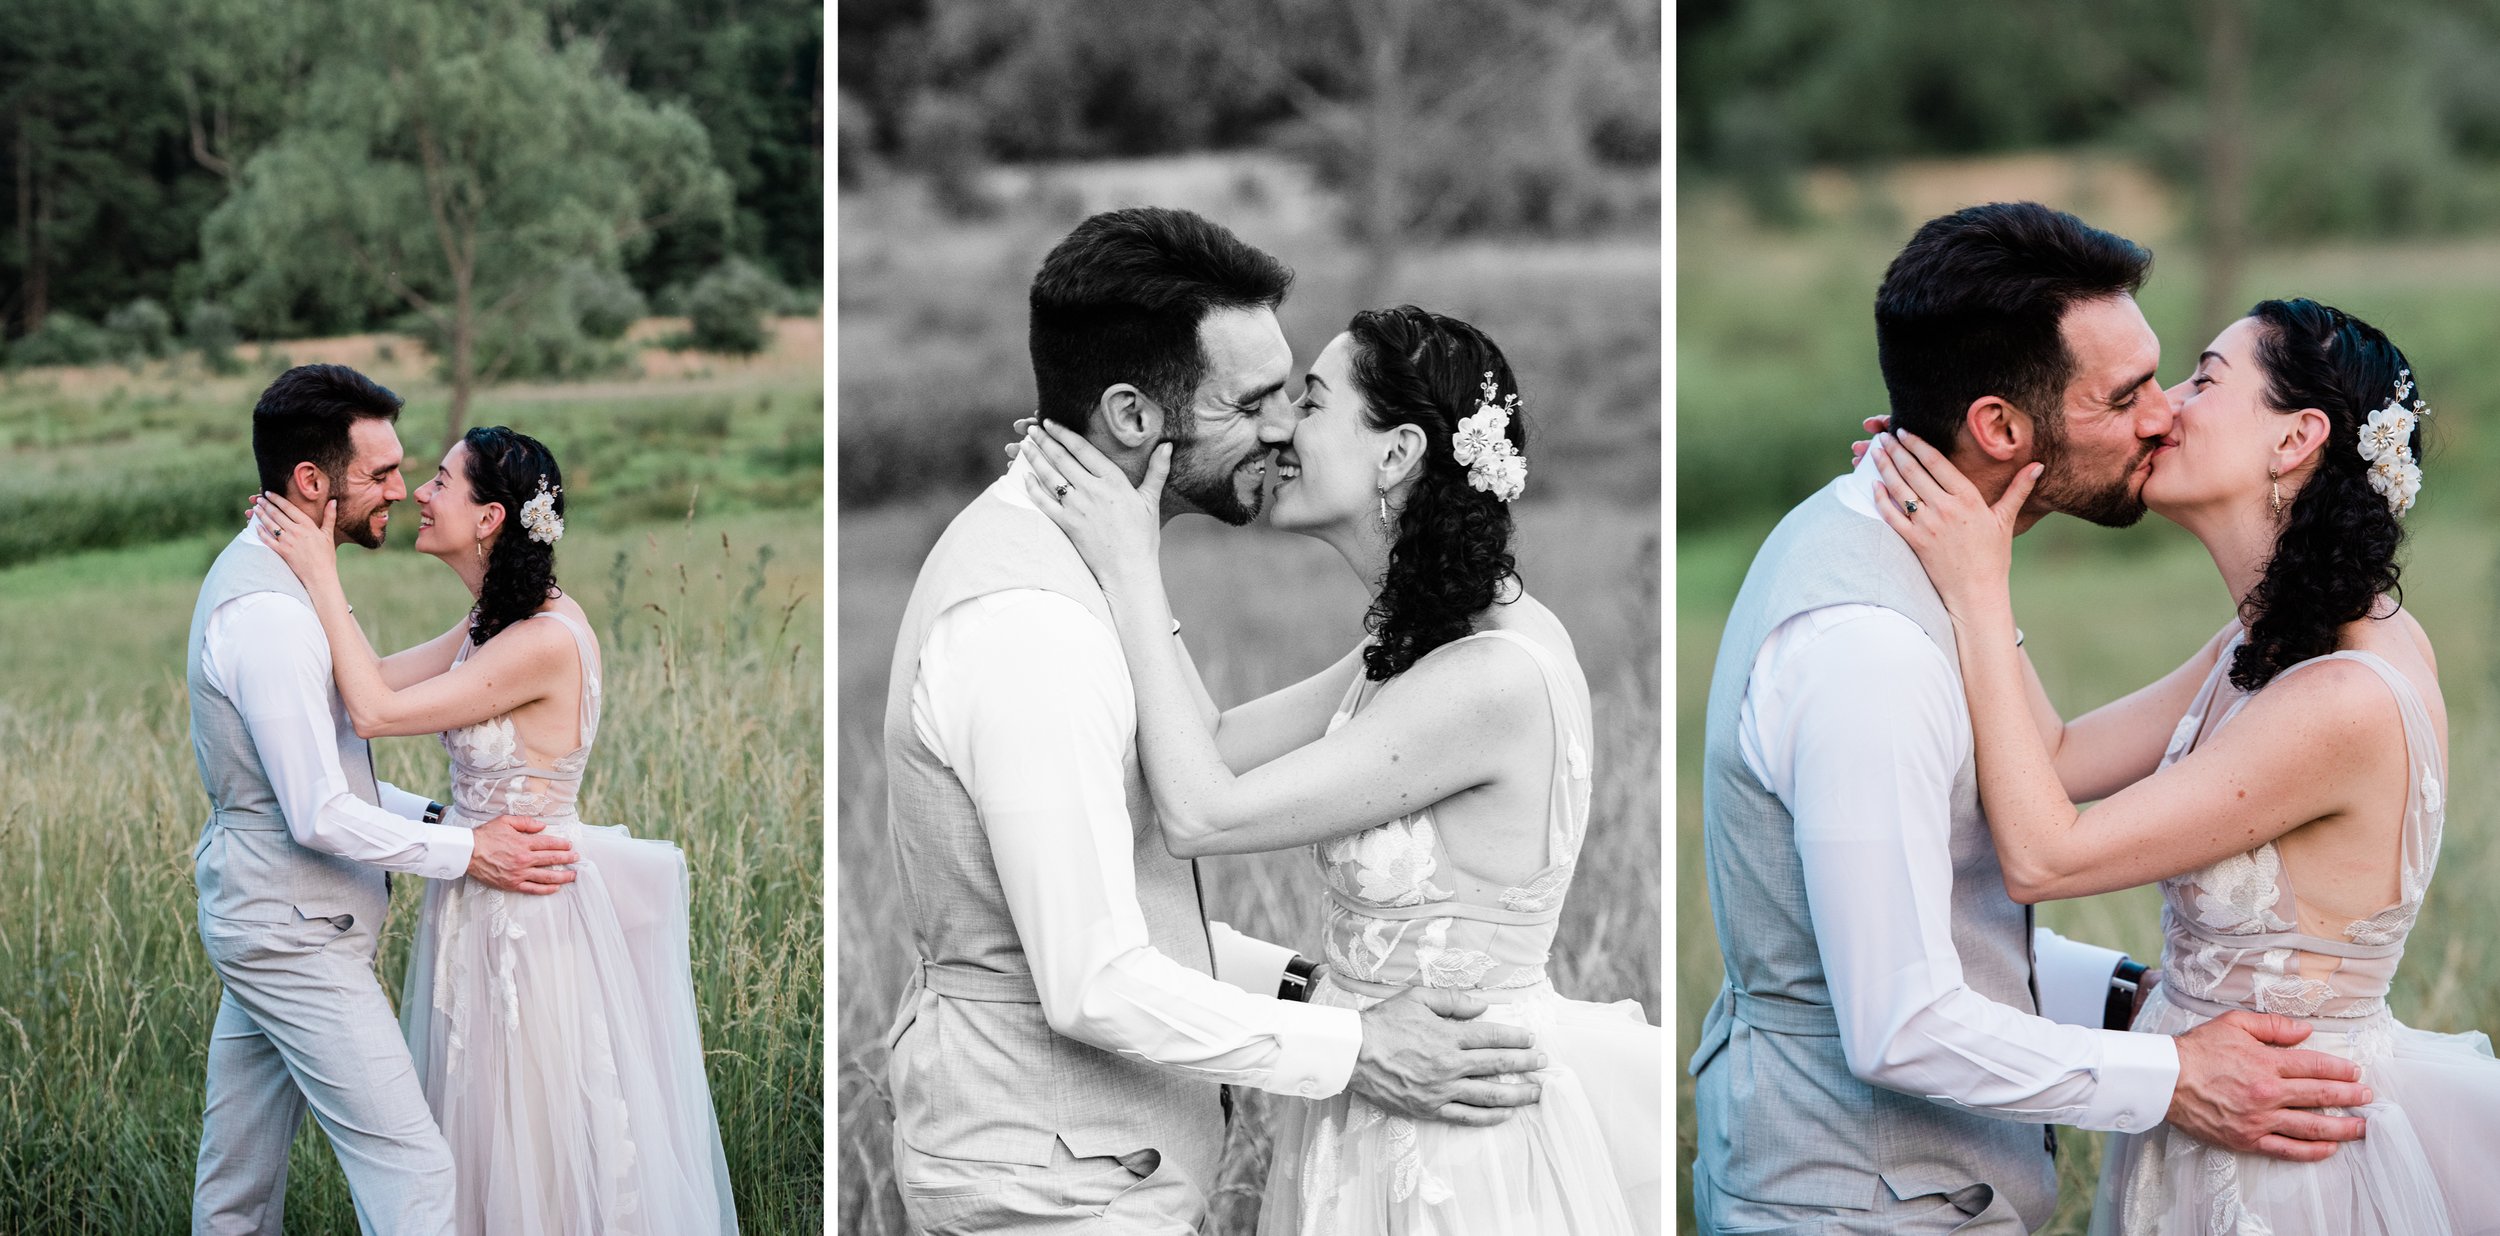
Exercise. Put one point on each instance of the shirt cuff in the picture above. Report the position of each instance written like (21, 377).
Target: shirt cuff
(447, 851)
(2137, 1074)
(1316, 1046)
(1247, 962)
(2074, 978)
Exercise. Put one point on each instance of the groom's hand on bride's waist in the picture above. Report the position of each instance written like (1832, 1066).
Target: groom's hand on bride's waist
(510, 852)
(1427, 1055)
(2242, 1086)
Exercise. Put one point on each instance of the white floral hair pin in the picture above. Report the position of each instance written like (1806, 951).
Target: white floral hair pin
(538, 515)
(2387, 443)
(1493, 464)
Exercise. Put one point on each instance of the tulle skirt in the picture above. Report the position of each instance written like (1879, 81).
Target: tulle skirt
(1583, 1160)
(556, 1040)
(2426, 1167)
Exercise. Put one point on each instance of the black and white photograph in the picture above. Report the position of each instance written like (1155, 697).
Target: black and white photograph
(1249, 699)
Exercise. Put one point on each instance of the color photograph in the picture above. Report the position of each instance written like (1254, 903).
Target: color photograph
(411, 565)
(1248, 694)
(2084, 561)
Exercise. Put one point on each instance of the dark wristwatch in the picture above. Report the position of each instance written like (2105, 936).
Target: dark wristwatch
(2118, 1012)
(434, 812)
(1296, 984)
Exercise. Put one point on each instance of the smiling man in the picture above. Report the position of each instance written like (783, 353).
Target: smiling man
(1059, 1056)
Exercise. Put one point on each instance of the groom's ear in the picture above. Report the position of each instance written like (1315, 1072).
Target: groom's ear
(1128, 417)
(311, 483)
(2000, 430)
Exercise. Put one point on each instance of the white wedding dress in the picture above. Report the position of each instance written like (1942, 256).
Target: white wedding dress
(1586, 1158)
(2426, 1165)
(555, 1036)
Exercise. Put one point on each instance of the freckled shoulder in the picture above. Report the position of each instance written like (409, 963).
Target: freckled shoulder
(1479, 680)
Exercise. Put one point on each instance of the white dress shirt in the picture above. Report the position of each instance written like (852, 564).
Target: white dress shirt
(265, 651)
(1025, 695)
(1855, 720)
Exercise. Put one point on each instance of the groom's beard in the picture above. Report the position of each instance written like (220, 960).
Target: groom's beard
(2109, 501)
(362, 531)
(1209, 486)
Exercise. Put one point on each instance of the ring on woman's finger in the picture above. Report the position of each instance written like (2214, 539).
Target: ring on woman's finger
(1909, 506)
(1061, 493)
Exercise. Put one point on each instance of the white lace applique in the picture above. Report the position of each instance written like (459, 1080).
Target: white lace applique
(1576, 761)
(2291, 996)
(2433, 800)
(1438, 965)
(2199, 972)
(2388, 925)
(1540, 893)
(492, 743)
(1363, 957)
(1393, 864)
(2240, 892)
(1406, 1166)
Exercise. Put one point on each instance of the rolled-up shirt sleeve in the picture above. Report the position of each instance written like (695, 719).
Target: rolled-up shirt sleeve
(1855, 720)
(1024, 694)
(265, 652)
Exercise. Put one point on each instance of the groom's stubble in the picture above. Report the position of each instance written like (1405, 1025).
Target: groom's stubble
(2070, 486)
(1205, 483)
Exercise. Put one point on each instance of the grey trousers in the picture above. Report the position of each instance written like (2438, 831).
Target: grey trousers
(303, 1024)
(1975, 1211)
(1132, 1195)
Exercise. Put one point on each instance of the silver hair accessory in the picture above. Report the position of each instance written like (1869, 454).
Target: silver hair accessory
(1493, 464)
(2387, 444)
(538, 515)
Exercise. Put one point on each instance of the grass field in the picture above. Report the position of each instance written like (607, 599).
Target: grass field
(709, 625)
(1775, 362)
(933, 364)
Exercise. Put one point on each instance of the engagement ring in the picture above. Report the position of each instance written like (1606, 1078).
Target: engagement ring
(1909, 506)
(1060, 493)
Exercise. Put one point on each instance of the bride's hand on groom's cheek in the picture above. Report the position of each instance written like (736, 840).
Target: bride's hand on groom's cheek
(1116, 526)
(1965, 542)
(304, 545)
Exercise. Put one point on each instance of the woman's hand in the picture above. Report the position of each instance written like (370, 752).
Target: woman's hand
(1873, 425)
(1116, 526)
(1966, 544)
(308, 548)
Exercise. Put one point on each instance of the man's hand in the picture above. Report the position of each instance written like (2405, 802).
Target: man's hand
(508, 856)
(1422, 1057)
(2239, 1089)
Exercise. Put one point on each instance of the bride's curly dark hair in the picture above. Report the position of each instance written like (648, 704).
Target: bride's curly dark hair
(508, 467)
(1452, 556)
(2336, 554)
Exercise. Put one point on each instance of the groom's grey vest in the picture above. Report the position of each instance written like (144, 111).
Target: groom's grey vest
(246, 864)
(977, 1072)
(1781, 1119)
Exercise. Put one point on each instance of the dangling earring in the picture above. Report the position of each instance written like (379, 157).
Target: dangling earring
(1383, 491)
(480, 547)
(2274, 491)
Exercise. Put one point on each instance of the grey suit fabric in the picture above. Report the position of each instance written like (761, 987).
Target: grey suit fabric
(1782, 1122)
(302, 1023)
(978, 1076)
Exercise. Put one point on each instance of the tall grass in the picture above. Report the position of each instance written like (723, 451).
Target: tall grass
(711, 739)
(1775, 364)
(1260, 610)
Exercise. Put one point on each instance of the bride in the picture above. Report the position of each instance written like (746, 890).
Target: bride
(2286, 786)
(1439, 773)
(555, 1036)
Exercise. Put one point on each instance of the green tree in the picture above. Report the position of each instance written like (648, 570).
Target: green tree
(454, 157)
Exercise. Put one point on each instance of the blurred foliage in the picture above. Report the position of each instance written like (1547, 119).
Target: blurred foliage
(1498, 115)
(125, 123)
(2390, 127)
(730, 308)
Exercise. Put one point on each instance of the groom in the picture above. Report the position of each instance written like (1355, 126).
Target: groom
(1059, 1056)
(292, 864)
(1891, 1027)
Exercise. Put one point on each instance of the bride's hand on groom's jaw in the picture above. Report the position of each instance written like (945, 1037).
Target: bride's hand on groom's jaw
(1118, 527)
(1428, 1055)
(1965, 542)
(307, 547)
(511, 852)
(2243, 1086)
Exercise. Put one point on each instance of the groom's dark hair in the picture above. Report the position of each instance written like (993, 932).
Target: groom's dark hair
(305, 416)
(1972, 305)
(1120, 299)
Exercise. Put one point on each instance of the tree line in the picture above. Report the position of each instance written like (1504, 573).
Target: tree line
(514, 180)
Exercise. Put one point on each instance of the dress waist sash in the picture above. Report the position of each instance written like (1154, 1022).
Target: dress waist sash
(1498, 915)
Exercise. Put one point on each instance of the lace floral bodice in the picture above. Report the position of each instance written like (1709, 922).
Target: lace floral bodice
(2232, 930)
(492, 776)
(1393, 919)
